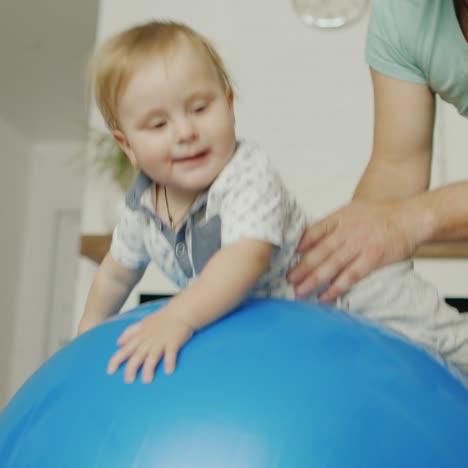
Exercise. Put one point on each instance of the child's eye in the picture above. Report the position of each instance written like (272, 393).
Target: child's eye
(200, 108)
(158, 125)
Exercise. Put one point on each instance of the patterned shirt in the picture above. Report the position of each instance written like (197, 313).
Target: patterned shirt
(248, 200)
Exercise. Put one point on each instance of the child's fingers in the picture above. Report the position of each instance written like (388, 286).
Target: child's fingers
(128, 333)
(150, 364)
(135, 362)
(170, 360)
(121, 355)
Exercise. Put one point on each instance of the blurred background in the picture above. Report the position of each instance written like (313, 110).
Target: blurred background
(304, 93)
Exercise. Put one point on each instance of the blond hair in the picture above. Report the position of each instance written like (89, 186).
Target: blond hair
(113, 64)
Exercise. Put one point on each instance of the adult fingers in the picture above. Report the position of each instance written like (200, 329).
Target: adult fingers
(315, 232)
(307, 264)
(325, 273)
(312, 266)
(350, 275)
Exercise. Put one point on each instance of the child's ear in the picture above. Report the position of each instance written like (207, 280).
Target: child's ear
(230, 97)
(122, 141)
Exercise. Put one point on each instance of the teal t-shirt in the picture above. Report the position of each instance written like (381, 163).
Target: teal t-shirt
(420, 41)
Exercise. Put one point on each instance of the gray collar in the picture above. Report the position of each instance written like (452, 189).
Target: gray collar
(141, 183)
(136, 190)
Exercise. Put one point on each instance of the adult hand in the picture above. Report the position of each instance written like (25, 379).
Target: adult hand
(346, 246)
(144, 344)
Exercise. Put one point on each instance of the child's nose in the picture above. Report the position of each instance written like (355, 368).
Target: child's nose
(186, 130)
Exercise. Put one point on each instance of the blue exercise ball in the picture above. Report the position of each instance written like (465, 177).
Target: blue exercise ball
(276, 384)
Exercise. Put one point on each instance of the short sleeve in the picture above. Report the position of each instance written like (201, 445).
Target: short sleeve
(390, 47)
(255, 202)
(128, 247)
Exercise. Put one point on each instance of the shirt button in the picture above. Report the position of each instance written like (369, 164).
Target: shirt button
(179, 249)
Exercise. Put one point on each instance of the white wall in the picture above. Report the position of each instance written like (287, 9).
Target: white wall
(55, 185)
(14, 168)
(303, 93)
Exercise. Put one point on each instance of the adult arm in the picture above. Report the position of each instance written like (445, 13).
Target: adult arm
(391, 213)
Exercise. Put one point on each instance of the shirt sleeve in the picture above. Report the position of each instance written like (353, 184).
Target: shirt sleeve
(254, 204)
(128, 247)
(390, 49)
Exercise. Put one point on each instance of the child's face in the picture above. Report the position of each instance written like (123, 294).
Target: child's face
(177, 124)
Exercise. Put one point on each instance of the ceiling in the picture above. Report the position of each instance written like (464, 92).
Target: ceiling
(44, 45)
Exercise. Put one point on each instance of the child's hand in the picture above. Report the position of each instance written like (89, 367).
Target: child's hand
(144, 344)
